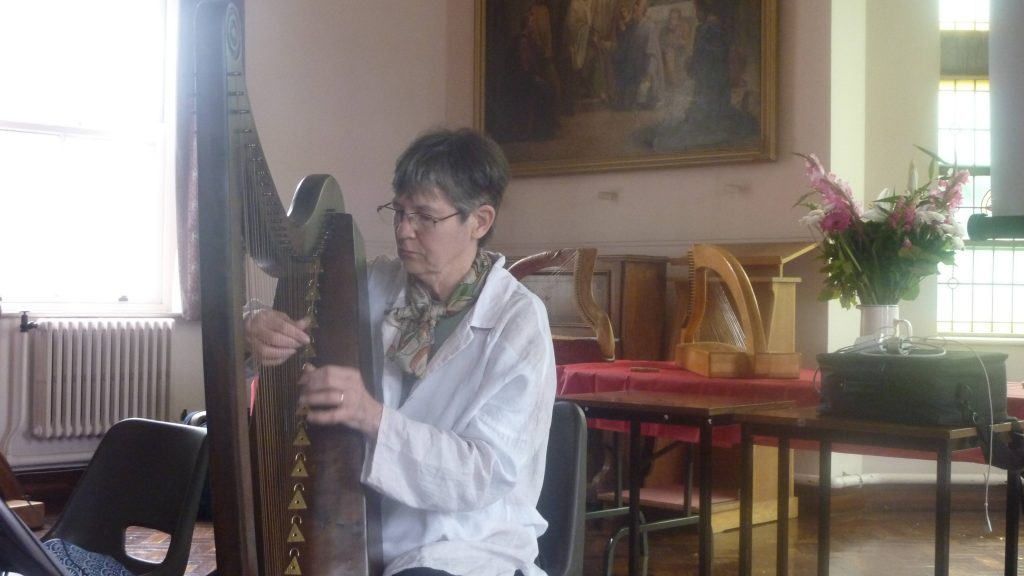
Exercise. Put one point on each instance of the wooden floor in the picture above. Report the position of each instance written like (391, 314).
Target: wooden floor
(875, 530)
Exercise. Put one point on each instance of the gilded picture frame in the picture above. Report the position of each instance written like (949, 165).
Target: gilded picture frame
(592, 85)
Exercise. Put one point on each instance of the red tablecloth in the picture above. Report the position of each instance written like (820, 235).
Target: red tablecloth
(1015, 399)
(668, 377)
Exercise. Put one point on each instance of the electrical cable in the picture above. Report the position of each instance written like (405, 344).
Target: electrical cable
(991, 427)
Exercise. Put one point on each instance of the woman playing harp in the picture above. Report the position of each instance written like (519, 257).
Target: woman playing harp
(457, 445)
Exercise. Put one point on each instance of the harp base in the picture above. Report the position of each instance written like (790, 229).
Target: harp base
(719, 360)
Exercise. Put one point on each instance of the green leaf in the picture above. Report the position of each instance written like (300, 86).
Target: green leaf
(802, 201)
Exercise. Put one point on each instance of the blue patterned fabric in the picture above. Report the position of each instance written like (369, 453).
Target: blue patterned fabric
(80, 562)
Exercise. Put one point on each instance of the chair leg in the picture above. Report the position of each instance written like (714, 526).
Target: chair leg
(646, 553)
(609, 551)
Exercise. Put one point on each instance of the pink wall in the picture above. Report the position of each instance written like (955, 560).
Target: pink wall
(342, 86)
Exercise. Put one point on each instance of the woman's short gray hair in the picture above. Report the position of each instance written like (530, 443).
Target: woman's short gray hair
(464, 164)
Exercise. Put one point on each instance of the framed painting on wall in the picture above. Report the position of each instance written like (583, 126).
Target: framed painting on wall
(588, 85)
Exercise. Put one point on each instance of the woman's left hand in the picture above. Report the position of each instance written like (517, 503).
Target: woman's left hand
(337, 395)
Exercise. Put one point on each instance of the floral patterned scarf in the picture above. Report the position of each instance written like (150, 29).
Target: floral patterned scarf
(416, 320)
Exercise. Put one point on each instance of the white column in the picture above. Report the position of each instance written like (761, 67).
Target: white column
(1006, 73)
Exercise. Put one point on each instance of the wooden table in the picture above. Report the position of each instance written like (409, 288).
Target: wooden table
(703, 411)
(668, 377)
(807, 424)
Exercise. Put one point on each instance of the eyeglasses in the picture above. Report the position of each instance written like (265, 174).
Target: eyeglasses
(418, 220)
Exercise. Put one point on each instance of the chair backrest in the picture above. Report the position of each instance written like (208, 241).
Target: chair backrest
(563, 497)
(144, 473)
(580, 262)
(20, 549)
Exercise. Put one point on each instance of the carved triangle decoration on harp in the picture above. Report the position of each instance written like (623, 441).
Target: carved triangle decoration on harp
(287, 497)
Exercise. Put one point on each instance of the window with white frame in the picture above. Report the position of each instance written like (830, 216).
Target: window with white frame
(983, 294)
(87, 156)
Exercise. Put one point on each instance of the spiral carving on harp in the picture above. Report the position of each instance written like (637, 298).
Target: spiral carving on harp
(287, 495)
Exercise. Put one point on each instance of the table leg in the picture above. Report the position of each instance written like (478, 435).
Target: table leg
(746, 500)
(705, 535)
(824, 504)
(782, 507)
(688, 481)
(635, 473)
(1013, 502)
(620, 464)
(942, 510)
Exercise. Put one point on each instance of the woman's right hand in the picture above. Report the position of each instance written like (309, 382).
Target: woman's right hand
(272, 337)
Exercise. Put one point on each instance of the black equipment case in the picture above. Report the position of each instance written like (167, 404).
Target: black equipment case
(928, 388)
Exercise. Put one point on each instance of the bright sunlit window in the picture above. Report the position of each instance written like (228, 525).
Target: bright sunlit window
(983, 295)
(86, 155)
(963, 15)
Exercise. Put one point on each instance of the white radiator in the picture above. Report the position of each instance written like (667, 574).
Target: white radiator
(88, 373)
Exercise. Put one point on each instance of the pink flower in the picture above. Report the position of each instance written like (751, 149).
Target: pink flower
(836, 221)
(815, 172)
(902, 215)
(879, 255)
(953, 195)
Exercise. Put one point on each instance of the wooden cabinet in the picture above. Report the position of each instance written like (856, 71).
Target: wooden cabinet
(630, 288)
(636, 304)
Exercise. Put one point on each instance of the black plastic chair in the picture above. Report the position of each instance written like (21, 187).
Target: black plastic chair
(563, 496)
(144, 473)
(20, 549)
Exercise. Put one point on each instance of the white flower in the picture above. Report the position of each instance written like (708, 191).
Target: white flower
(813, 217)
(874, 214)
(954, 230)
(923, 216)
(885, 193)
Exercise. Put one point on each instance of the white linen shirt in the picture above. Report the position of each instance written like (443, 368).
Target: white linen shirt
(460, 464)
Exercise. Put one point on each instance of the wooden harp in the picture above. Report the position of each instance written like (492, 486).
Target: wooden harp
(714, 270)
(286, 496)
(580, 263)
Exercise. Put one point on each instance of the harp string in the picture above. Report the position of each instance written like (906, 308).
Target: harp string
(549, 285)
(721, 322)
(273, 420)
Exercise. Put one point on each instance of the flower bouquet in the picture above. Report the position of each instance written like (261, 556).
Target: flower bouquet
(880, 255)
